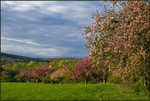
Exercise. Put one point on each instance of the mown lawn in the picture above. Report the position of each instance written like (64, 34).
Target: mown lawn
(33, 91)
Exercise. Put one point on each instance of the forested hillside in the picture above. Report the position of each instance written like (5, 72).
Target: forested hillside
(12, 58)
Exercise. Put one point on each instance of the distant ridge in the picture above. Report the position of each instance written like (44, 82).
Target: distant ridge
(14, 56)
(11, 58)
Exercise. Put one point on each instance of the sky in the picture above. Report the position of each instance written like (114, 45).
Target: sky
(46, 29)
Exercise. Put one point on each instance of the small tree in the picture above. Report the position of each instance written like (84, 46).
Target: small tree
(39, 73)
(26, 75)
(82, 70)
(58, 75)
(19, 77)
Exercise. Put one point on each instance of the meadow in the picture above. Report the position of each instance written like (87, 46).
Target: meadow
(40, 91)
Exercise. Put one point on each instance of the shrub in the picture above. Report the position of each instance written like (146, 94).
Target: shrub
(58, 76)
(139, 88)
(114, 80)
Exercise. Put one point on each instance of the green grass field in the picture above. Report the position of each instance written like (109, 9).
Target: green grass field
(33, 91)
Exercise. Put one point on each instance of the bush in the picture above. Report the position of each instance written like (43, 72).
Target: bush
(114, 80)
(58, 76)
(19, 78)
(139, 88)
(47, 78)
(6, 78)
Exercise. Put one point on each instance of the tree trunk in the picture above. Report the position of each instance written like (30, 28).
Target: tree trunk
(104, 80)
(85, 81)
(36, 80)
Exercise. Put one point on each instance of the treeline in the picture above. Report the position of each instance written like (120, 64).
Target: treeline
(10, 71)
(62, 71)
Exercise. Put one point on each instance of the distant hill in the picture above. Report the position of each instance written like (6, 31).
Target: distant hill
(11, 58)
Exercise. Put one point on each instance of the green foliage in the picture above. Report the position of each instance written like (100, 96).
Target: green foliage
(6, 78)
(1, 69)
(31, 64)
(139, 88)
(52, 64)
(114, 80)
(63, 64)
(47, 78)
(19, 78)
(20, 66)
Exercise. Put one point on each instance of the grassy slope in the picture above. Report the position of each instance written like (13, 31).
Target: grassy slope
(32, 91)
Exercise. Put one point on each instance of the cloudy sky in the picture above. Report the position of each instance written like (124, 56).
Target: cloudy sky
(46, 28)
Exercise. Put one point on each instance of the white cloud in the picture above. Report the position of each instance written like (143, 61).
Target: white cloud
(26, 41)
(35, 51)
(56, 9)
(26, 46)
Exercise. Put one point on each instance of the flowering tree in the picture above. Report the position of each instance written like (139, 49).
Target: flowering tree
(82, 70)
(26, 75)
(58, 75)
(121, 39)
(39, 73)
